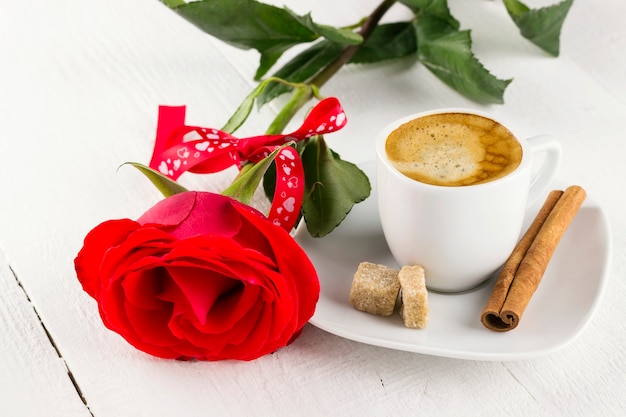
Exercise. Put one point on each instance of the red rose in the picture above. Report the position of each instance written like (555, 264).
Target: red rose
(201, 276)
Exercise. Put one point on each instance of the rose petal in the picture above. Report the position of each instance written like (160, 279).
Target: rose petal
(213, 344)
(212, 215)
(140, 250)
(115, 316)
(231, 310)
(194, 213)
(143, 287)
(150, 326)
(254, 344)
(201, 287)
(217, 281)
(292, 262)
(284, 311)
(97, 242)
(171, 211)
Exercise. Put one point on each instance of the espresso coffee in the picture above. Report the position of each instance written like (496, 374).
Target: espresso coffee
(453, 149)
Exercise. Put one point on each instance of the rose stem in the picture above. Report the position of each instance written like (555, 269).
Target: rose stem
(301, 96)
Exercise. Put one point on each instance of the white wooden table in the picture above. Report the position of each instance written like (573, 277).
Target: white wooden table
(80, 82)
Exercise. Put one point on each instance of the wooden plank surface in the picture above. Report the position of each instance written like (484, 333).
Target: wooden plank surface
(34, 380)
(80, 82)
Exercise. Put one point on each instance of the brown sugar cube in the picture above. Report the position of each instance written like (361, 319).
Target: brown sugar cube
(375, 289)
(414, 296)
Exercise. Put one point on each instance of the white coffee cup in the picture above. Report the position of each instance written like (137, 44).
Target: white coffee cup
(461, 235)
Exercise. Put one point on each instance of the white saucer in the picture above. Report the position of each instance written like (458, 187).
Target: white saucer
(559, 310)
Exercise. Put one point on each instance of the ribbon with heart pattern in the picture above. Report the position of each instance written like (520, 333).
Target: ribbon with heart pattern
(179, 148)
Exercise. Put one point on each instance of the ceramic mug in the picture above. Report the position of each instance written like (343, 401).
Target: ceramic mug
(460, 234)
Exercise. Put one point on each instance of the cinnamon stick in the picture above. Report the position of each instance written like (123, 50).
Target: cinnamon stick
(526, 265)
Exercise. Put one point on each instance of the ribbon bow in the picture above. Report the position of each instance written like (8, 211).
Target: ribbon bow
(179, 148)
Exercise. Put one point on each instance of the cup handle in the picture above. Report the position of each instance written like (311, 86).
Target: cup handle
(546, 172)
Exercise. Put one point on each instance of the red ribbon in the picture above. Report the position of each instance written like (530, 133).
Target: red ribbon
(179, 148)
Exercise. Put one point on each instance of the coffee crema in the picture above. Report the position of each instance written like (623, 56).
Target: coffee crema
(453, 149)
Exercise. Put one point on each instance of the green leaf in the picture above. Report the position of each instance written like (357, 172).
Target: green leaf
(165, 185)
(269, 182)
(173, 3)
(338, 35)
(302, 68)
(333, 186)
(244, 109)
(540, 26)
(447, 53)
(249, 178)
(388, 41)
(249, 24)
(437, 8)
